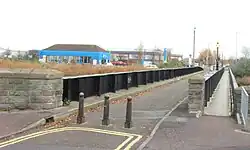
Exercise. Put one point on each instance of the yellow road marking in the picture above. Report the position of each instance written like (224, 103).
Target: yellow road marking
(45, 132)
(133, 142)
(124, 143)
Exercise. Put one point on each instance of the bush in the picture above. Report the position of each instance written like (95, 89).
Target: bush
(243, 81)
(172, 64)
(242, 68)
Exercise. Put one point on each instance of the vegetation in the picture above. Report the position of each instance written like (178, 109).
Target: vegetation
(68, 69)
(172, 64)
(241, 69)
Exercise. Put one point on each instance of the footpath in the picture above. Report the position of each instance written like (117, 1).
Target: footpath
(214, 131)
(147, 109)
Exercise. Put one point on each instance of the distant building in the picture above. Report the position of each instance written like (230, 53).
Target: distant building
(75, 52)
(133, 56)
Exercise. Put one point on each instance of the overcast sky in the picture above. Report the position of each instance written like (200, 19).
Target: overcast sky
(37, 24)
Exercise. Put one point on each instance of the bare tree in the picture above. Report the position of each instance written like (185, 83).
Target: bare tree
(140, 51)
(246, 52)
(7, 53)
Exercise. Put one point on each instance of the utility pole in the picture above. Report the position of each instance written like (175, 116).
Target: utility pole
(236, 50)
(208, 49)
(217, 59)
(194, 46)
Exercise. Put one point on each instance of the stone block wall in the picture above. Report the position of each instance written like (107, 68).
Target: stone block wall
(30, 89)
(196, 94)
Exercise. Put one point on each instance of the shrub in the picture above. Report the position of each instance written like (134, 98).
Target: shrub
(172, 64)
(242, 68)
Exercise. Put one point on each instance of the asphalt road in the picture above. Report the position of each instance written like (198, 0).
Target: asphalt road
(205, 133)
(148, 109)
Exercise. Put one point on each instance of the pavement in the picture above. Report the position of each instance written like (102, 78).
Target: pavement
(214, 131)
(219, 104)
(182, 132)
(148, 109)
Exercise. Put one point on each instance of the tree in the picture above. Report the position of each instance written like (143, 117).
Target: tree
(246, 52)
(19, 56)
(206, 56)
(7, 53)
(140, 51)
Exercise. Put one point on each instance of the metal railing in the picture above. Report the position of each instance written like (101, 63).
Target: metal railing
(98, 84)
(244, 106)
(211, 84)
(233, 85)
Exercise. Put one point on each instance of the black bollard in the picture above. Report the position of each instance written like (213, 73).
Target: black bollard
(105, 120)
(80, 116)
(128, 122)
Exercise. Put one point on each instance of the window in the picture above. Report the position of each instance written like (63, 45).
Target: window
(87, 59)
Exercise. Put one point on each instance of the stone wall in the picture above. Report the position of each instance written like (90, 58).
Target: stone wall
(30, 89)
(196, 94)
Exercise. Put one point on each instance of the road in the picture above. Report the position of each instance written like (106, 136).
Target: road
(148, 109)
(205, 133)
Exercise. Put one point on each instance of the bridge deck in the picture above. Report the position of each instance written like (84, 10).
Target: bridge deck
(219, 104)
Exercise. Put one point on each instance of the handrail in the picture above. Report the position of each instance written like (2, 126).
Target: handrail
(233, 86)
(244, 106)
(211, 83)
(112, 73)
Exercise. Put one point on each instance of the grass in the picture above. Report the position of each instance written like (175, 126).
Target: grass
(68, 69)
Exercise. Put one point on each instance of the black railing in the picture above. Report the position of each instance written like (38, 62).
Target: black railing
(98, 84)
(211, 84)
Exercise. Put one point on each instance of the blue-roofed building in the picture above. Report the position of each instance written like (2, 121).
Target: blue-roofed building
(75, 52)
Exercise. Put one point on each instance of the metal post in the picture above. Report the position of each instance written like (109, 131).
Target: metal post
(222, 60)
(80, 116)
(194, 47)
(128, 122)
(217, 59)
(236, 50)
(105, 120)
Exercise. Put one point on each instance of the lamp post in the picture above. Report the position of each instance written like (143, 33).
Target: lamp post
(194, 46)
(217, 59)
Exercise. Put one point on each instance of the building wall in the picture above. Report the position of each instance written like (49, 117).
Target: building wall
(78, 56)
(133, 57)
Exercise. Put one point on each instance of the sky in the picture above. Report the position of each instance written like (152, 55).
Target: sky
(123, 24)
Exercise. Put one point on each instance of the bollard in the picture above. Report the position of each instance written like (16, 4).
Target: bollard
(128, 122)
(105, 120)
(80, 116)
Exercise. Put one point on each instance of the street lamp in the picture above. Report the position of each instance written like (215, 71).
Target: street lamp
(194, 46)
(217, 59)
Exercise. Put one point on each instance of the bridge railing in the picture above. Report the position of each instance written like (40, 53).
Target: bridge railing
(211, 82)
(244, 106)
(98, 84)
(233, 86)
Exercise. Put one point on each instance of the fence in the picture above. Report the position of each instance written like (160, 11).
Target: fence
(211, 84)
(98, 84)
(233, 86)
(244, 106)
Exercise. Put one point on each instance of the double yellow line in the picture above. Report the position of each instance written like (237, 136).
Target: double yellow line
(130, 141)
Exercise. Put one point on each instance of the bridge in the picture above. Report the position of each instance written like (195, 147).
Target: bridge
(183, 109)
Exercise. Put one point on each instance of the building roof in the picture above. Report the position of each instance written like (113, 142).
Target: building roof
(76, 47)
(136, 52)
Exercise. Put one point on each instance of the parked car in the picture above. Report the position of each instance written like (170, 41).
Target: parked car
(151, 66)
